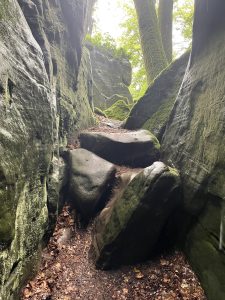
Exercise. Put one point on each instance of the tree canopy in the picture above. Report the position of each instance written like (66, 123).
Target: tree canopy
(131, 43)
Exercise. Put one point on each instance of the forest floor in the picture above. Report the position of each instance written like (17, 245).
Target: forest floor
(67, 272)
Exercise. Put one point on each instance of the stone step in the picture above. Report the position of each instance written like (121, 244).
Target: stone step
(134, 148)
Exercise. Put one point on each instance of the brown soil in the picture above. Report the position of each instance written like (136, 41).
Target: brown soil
(67, 272)
(107, 125)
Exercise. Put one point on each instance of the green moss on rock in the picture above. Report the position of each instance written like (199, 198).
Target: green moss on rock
(159, 119)
(160, 95)
(118, 111)
(99, 112)
(134, 220)
(4, 7)
(202, 249)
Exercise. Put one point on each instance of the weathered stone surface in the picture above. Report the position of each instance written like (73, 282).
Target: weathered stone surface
(57, 183)
(136, 148)
(194, 141)
(153, 109)
(128, 229)
(38, 76)
(26, 145)
(111, 77)
(91, 179)
(59, 28)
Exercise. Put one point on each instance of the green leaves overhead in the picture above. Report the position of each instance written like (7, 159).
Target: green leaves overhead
(183, 18)
(105, 41)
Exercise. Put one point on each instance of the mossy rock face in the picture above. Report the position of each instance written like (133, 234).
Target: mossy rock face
(159, 119)
(194, 142)
(153, 109)
(4, 7)
(26, 146)
(59, 28)
(128, 229)
(40, 54)
(118, 111)
(202, 248)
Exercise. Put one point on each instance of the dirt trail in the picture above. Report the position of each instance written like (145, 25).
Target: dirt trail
(67, 273)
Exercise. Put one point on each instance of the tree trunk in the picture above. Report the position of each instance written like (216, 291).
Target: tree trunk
(151, 41)
(166, 24)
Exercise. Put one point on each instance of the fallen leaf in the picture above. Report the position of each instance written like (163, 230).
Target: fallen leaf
(139, 275)
(136, 270)
(58, 266)
(184, 285)
(166, 280)
(164, 262)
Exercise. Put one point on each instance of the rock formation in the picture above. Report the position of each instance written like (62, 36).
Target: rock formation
(136, 149)
(90, 181)
(111, 77)
(128, 229)
(153, 109)
(42, 106)
(194, 141)
(119, 110)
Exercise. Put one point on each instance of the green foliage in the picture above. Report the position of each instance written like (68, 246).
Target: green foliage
(106, 42)
(118, 111)
(130, 41)
(183, 17)
(130, 45)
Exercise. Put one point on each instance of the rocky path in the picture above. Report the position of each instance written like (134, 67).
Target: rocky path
(67, 272)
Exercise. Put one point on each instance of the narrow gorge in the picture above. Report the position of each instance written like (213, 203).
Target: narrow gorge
(103, 197)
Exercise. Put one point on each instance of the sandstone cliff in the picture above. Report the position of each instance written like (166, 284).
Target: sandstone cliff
(194, 142)
(44, 101)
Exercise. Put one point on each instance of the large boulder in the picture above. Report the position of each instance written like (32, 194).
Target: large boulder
(194, 142)
(128, 229)
(153, 109)
(111, 77)
(91, 179)
(135, 148)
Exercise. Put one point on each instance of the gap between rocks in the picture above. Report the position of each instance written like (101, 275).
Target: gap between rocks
(67, 272)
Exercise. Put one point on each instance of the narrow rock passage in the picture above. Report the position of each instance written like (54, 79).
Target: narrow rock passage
(67, 273)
